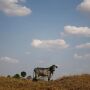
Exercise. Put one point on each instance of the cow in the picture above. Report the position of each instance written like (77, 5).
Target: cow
(44, 72)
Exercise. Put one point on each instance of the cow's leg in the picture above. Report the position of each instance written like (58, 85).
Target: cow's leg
(36, 77)
(49, 77)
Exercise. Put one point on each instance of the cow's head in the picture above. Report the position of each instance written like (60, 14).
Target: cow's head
(52, 68)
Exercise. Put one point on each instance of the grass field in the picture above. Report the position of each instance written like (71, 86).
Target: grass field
(79, 82)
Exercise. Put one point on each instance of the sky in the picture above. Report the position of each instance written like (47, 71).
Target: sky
(40, 33)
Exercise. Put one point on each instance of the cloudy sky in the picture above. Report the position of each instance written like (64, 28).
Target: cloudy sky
(39, 33)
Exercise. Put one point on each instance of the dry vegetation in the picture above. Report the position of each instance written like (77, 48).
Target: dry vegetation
(81, 82)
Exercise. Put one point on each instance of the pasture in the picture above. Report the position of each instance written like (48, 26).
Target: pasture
(77, 82)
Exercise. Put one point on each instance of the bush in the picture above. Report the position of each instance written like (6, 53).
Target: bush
(16, 76)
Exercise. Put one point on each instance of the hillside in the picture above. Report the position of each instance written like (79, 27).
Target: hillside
(79, 82)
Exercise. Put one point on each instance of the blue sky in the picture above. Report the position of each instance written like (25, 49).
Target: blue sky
(45, 32)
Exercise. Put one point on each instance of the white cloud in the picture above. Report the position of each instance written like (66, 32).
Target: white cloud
(8, 60)
(86, 45)
(79, 31)
(13, 8)
(84, 6)
(49, 43)
(76, 56)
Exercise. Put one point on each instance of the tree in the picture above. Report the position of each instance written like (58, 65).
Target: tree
(8, 76)
(16, 76)
(23, 73)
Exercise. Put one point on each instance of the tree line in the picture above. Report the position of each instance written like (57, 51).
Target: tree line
(22, 75)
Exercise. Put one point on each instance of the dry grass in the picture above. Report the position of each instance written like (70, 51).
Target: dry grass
(81, 82)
